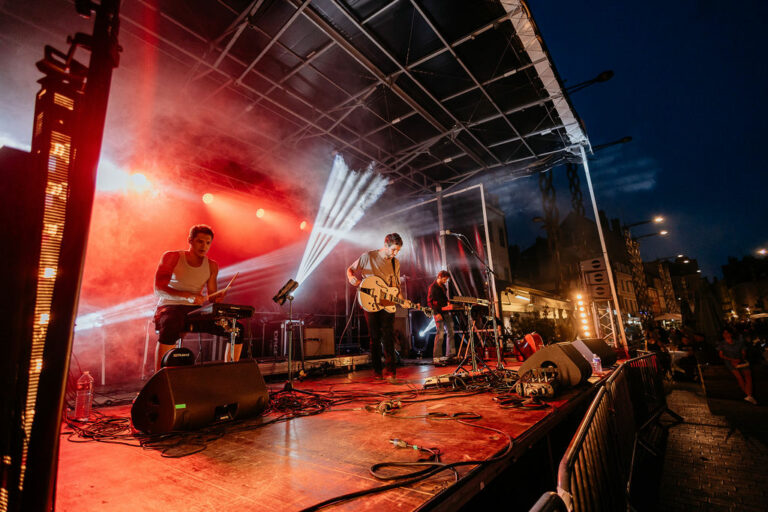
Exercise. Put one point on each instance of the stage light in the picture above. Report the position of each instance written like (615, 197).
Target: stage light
(285, 292)
(578, 296)
(521, 297)
(260, 212)
(346, 196)
(49, 272)
(207, 198)
(139, 182)
(429, 326)
(303, 225)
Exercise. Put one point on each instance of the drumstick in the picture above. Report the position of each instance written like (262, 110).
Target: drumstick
(225, 288)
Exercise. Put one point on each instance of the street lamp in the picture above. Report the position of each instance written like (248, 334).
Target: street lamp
(663, 232)
(602, 77)
(656, 220)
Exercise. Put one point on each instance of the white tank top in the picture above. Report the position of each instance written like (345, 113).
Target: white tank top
(186, 278)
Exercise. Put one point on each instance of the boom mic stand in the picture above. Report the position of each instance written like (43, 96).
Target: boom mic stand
(487, 270)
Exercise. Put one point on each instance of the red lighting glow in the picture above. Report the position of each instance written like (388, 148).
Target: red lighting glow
(208, 198)
(260, 212)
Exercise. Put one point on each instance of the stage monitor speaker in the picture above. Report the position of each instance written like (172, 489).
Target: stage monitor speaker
(191, 397)
(574, 369)
(598, 346)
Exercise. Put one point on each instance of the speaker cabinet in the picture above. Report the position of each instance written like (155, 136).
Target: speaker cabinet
(318, 341)
(598, 346)
(191, 397)
(574, 369)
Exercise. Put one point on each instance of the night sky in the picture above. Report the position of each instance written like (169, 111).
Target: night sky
(689, 88)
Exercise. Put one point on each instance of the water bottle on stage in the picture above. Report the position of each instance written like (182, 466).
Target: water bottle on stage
(84, 398)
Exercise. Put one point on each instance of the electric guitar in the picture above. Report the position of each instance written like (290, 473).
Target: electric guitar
(373, 294)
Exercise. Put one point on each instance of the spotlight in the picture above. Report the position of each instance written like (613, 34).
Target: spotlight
(303, 225)
(208, 198)
(285, 292)
(346, 196)
(260, 212)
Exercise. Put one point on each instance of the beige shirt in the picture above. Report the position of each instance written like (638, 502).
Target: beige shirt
(371, 263)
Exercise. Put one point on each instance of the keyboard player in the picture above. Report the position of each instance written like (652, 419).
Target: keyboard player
(437, 298)
(180, 280)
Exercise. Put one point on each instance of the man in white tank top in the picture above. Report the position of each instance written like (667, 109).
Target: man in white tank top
(180, 279)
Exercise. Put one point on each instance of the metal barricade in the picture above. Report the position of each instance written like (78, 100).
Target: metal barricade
(590, 476)
(549, 502)
(596, 471)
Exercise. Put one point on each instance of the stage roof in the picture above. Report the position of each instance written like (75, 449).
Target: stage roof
(434, 92)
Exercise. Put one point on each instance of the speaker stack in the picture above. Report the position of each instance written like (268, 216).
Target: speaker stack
(191, 397)
(573, 360)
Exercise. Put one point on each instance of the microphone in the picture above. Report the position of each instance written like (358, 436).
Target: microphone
(447, 232)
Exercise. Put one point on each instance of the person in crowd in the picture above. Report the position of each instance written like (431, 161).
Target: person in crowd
(733, 352)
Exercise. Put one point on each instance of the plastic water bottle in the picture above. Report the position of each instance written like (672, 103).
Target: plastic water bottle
(84, 398)
(597, 365)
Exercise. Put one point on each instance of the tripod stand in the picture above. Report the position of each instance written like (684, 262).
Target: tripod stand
(488, 273)
(471, 353)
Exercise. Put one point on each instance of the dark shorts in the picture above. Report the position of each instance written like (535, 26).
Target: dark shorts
(172, 322)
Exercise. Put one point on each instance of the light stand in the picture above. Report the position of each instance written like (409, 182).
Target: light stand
(280, 298)
(491, 297)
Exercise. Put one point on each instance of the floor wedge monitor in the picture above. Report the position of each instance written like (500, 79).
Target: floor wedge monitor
(598, 346)
(574, 369)
(191, 397)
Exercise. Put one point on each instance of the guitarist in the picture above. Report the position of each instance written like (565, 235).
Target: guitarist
(437, 298)
(382, 263)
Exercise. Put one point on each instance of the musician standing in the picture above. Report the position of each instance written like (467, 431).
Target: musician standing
(382, 263)
(437, 298)
(180, 279)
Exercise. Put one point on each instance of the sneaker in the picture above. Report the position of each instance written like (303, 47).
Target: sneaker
(438, 361)
(750, 399)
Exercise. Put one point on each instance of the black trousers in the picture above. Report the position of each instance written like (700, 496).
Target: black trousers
(381, 327)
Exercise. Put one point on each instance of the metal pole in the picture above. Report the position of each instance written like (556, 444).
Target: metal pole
(491, 277)
(441, 225)
(622, 335)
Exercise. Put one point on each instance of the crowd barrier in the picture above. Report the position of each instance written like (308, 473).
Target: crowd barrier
(596, 471)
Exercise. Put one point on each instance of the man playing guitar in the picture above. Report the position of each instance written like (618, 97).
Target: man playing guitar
(179, 282)
(384, 264)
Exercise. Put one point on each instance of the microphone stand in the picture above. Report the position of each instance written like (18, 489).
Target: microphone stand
(487, 270)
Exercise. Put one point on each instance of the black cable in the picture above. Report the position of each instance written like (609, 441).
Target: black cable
(437, 467)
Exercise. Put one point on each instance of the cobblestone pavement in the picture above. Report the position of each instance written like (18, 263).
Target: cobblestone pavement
(717, 459)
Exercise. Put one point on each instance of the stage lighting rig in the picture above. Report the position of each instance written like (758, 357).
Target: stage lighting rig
(285, 292)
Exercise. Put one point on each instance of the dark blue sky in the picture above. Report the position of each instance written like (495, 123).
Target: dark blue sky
(689, 87)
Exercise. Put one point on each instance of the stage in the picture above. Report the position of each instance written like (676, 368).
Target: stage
(297, 463)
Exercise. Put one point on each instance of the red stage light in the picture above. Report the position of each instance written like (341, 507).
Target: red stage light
(208, 198)
(260, 212)
(303, 225)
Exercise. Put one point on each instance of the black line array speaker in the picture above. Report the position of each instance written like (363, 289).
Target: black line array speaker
(598, 346)
(574, 369)
(191, 397)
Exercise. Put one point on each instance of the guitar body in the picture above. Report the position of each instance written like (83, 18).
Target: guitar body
(372, 295)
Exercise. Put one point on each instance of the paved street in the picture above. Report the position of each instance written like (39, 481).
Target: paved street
(717, 458)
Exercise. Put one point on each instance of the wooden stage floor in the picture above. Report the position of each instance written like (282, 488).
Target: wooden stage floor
(295, 464)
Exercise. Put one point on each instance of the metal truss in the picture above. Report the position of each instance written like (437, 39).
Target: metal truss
(401, 163)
